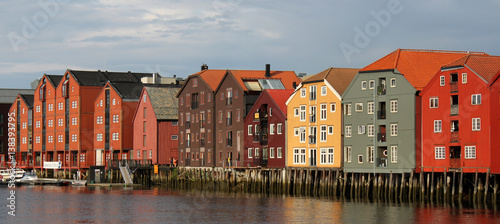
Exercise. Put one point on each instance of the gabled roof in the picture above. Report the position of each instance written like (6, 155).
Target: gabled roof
(100, 78)
(8, 96)
(339, 78)
(287, 78)
(164, 101)
(417, 66)
(54, 79)
(483, 65)
(128, 90)
(280, 96)
(211, 77)
(28, 99)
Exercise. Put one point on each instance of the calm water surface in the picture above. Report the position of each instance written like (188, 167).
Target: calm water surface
(53, 204)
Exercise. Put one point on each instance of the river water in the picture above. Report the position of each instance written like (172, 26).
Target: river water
(70, 204)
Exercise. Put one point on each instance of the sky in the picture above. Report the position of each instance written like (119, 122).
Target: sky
(176, 37)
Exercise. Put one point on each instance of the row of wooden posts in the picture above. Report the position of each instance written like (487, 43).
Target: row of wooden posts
(431, 187)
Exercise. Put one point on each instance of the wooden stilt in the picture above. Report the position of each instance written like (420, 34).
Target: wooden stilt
(486, 185)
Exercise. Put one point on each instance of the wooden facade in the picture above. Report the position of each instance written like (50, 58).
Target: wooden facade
(22, 109)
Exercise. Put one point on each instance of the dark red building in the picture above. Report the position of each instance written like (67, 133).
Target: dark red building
(21, 110)
(156, 129)
(267, 148)
(460, 116)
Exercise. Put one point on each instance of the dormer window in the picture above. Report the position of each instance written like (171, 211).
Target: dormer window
(42, 91)
(65, 92)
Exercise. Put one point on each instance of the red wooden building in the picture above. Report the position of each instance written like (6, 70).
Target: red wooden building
(155, 125)
(269, 112)
(460, 116)
(23, 113)
(236, 94)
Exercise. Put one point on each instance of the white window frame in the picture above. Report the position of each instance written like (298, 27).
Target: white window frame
(322, 156)
(271, 152)
(279, 152)
(394, 106)
(359, 107)
(323, 111)
(347, 154)
(296, 131)
(394, 153)
(302, 112)
(279, 128)
(303, 92)
(442, 80)
(370, 153)
(438, 126)
(439, 152)
(475, 99)
(470, 152)
(464, 78)
(393, 82)
(250, 153)
(364, 85)
(250, 129)
(371, 130)
(361, 129)
(296, 156)
(60, 122)
(323, 133)
(348, 131)
(330, 129)
(434, 102)
(333, 107)
(371, 84)
(303, 157)
(476, 124)
(394, 129)
(302, 133)
(323, 91)
(370, 108)
(296, 112)
(347, 109)
(271, 129)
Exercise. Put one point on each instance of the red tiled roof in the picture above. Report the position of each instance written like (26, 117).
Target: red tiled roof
(484, 65)
(212, 77)
(417, 66)
(286, 77)
(280, 96)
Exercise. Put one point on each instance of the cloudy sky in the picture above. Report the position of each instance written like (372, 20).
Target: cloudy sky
(175, 37)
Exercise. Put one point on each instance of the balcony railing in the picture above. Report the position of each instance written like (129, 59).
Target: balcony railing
(381, 90)
(381, 114)
(382, 162)
(453, 87)
(454, 137)
(381, 137)
(455, 163)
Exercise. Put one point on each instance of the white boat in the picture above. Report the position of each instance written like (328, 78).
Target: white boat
(29, 177)
(6, 173)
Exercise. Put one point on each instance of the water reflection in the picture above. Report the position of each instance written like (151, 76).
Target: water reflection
(53, 204)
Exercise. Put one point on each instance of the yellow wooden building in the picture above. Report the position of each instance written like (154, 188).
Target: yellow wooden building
(314, 119)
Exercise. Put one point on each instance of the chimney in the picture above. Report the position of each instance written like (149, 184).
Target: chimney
(204, 66)
(294, 85)
(268, 70)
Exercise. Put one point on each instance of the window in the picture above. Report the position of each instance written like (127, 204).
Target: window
(278, 128)
(271, 129)
(229, 118)
(434, 102)
(37, 109)
(60, 122)
(60, 106)
(220, 117)
(371, 107)
(322, 111)
(476, 99)
(51, 107)
(116, 118)
(59, 138)
(302, 134)
(296, 132)
(347, 109)
(394, 129)
(302, 113)
(24, 125)
(470, 152)
(257, 152)
(361, 129)
(24, 140)
(303, 156)
(369, 154)
(322, 156)
(394, 154)
(82, 157)
(322, 135)
(99, 137)
(464, 78)
(330, 130)
(363, 85)
(150, 153)
(271, 152)
(476, 124)
(250, 128)
(348, 131)
(333, 107)
(360, 158)
(359, 107)
(296, 112)
(393, 82)
(437, 126)
(100, 103)
(138, 153)
(73, 104)
(302, 92)
(394, 106)
(50, 123)
(312, 92)
(73, 138)
(371, 84)
(439, 153)
(37, 139)
(312, 114)
(312, 134)
(347, 154)
(296, 156)
(323, 90)
(37, 124)
(115, 136)
(99, 120)
(279, 152)
(371, 130)
(49, 139)
(250, 153)
(74, 121)
(441, 80)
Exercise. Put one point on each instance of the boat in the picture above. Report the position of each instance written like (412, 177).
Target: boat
(79, 182)
(5, 174)
(28, 178)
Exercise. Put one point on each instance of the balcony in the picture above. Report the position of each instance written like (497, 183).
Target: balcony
(381, 137)
(381, 90)
(453, 87)
(455, 163)
(381, 114)
(194, 105)
(382, 162)
(454, 110)
(229, 142)
(454, 137)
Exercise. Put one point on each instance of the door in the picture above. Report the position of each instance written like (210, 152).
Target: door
(97, 176)
(264, 157)
(312, 157)
(98, 157)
